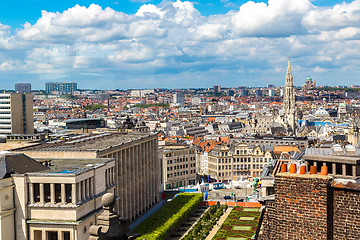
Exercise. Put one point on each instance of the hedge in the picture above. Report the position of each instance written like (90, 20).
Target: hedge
(161, 223)
(206, 222)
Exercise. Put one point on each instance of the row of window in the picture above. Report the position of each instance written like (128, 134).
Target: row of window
(228, 160)
(185, 159)
(226, 174)
(171, 154)
(180, 173)
(240, 167)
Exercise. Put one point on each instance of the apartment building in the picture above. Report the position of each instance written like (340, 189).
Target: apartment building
(22, 87)
(16, 113)
(60, 87)
(235, 160)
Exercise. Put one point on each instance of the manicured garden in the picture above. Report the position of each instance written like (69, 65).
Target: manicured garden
(161, 223)
(241, 224)
(206, 222)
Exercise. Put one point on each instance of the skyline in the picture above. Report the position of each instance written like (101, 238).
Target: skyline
(178, 44)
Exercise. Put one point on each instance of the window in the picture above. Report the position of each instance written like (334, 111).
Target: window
(38, 234)
(52, 235)
(68, 189)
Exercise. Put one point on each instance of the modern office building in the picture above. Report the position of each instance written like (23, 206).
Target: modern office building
(217, 89)
(22, 87)
(60, 87)
(230, 92)
(16, 113)
(179, 166)
(137, 165)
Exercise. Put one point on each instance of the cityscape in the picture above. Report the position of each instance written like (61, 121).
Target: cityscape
(180, 120)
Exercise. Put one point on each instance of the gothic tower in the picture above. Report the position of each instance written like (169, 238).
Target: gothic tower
(289, 100)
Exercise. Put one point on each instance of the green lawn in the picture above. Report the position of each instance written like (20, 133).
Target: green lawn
(241, 224)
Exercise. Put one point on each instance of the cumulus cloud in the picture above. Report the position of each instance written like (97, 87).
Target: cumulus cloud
(173, 39)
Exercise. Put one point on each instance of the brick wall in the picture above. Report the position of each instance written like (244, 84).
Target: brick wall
(346, 214)
(302, 208)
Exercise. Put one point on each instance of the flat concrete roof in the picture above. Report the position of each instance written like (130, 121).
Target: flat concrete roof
(94, 142)
(333, 158)
(66, 167)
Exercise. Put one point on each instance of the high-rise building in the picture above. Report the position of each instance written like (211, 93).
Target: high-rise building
(230, 92)
(60, 87)
(217, 89)
(22, 87)
(271, 93)
(16, 113)
(244, 93)
(258, 93)
(178, 98)
(289, 99)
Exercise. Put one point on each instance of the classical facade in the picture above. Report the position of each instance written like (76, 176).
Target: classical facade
(137, 166)
(179, 166)
(62, 202)
(233, 161)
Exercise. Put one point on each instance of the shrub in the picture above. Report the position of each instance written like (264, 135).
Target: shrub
(161, 223)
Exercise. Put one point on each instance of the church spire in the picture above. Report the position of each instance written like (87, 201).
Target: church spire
(289, 99)
(289, 77)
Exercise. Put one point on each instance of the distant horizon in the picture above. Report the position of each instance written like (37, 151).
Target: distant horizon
(176, 43)
(203, 88)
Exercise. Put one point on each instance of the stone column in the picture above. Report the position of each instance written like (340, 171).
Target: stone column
(82, 183)
(73, 193)
(52, 193)
(41, 188)
(354, 170)
(31, 192)
(60, 236)
(78, 191)
(86, 188)
(334, 169)
(344, 169)
(63, 194)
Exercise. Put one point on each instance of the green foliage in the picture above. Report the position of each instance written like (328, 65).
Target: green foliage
(71, 97)
(206, 222)
(95, 107)
(141, 105)
(161, 223)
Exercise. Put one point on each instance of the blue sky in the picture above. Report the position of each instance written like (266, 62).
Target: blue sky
(178, 44)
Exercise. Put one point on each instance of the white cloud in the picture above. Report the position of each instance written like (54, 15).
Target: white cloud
(174, 38)
(277, 18)
(319, 69)
(339, 16)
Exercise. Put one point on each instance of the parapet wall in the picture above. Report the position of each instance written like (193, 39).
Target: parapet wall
(346, 204)
(301, 208)
(311, 206)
